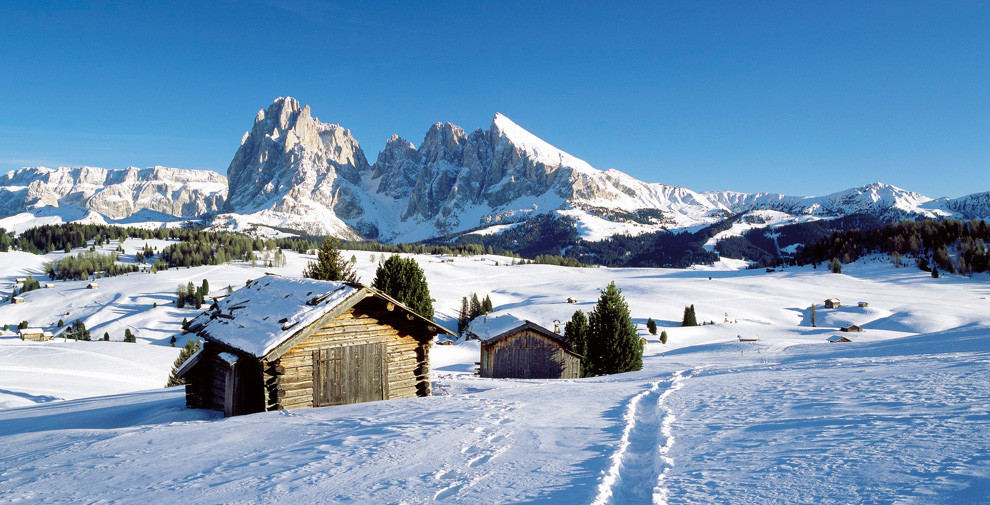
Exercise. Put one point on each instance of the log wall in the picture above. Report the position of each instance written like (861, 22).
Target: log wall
(288, 380)
(528, 354)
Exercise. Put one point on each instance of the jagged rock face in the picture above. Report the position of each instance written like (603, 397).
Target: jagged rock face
(290, 163)
(114, 193)
(295, 171)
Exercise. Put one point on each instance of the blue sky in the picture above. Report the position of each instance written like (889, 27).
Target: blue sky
(792, 97)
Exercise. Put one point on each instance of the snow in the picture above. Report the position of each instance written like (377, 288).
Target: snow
(265, 313)
(487, 328)
(899, 415)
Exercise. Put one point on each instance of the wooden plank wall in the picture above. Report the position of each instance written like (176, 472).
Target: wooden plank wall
(289, 380)
(528, 355)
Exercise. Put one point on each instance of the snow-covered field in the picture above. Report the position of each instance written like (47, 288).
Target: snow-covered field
(899, 415)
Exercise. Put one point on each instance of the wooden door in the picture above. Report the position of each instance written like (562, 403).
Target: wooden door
(349, 374)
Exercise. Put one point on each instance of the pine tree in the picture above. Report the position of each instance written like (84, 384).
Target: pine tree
(106, 336)
(690, 319)
(464, 317)
(475, 306)
(330, 265)
(934, 272)
(191, 347)
(576, 332)
(129, 336)
(663, 337)
(403, 279)
(613, 343)
(487, 306)
(60, 324)
(651, 326)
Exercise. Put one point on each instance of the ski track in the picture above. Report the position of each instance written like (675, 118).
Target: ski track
(641, 463)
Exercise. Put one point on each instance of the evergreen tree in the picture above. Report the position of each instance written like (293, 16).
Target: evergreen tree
(576, 332)
(475, 305)
(464, 317)
(487, 306)
(77, 331)
(129, 336)
(21, 325)
(171, 341)
(934, 272)
(403, 279)
(690, 319)
(180, 296)
(330, 265)
(60, 324)
(191, 347)
(663, 337)
(651, 326)
(106, 336)
(613, 343)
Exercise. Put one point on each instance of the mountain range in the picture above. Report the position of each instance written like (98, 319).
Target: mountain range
(293, 171)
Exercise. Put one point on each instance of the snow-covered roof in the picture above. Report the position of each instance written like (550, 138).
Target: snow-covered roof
(837, 338)
(228, 357)
(31, 331)
(490, 329)
(189, 363)
(269, 311)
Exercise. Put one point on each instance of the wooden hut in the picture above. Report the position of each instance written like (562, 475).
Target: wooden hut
(864, 305)
(838, 338)
(19, 299)
(852, 328)
(93, 285)
(281, 343)
(34, 334)
(748, 338)
(516, 348)
(832, 303)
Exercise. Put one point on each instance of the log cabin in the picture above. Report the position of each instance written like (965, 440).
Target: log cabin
(838, 338)
(521, 349)
(34, 334)
(283, 343)
(832, 303)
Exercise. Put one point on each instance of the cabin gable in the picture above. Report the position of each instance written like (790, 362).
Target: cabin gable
(528, 353)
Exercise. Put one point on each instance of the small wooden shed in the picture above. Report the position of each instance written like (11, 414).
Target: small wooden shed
(864, 305)
(838, 338)
(281, 343)
(93, 285)
(521, 349)
(748, 338)
(852, 328)
(34, 334)
(832, 303)
(19, 299)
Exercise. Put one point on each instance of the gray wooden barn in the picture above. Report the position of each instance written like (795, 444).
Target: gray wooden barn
(282, 343)
(516, 348)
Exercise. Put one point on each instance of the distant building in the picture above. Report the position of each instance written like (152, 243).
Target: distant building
(832, 303)
(49, 285)
(852, 328)
(92, 285)
(748, 338)
(863, 305)
(521, 349)
(34, 334)
(838, 338)
(19, 299)
(571, 299)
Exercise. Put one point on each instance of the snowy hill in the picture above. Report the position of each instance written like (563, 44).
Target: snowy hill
(894, 416)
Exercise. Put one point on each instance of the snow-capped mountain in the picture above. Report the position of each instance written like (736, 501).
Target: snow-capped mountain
(116, 194)
(293, 170)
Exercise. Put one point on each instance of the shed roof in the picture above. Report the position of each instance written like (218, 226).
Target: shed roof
(31, 331)
(838, 338)
(258, 318)
(493, 329)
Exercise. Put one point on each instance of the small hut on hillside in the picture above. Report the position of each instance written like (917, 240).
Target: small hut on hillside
(19, 299)
(521, 349)
(838, 338)
(281, 343)
(832, 303)
(93, 285)
(34, 334)
(748, 338)
(852, 328)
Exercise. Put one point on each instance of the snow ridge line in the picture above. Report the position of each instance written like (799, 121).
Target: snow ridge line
(640, 461)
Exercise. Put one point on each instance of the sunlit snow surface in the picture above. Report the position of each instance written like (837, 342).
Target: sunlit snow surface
(899, 415)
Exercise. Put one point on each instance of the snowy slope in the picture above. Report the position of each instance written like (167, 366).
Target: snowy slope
(896, 416)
